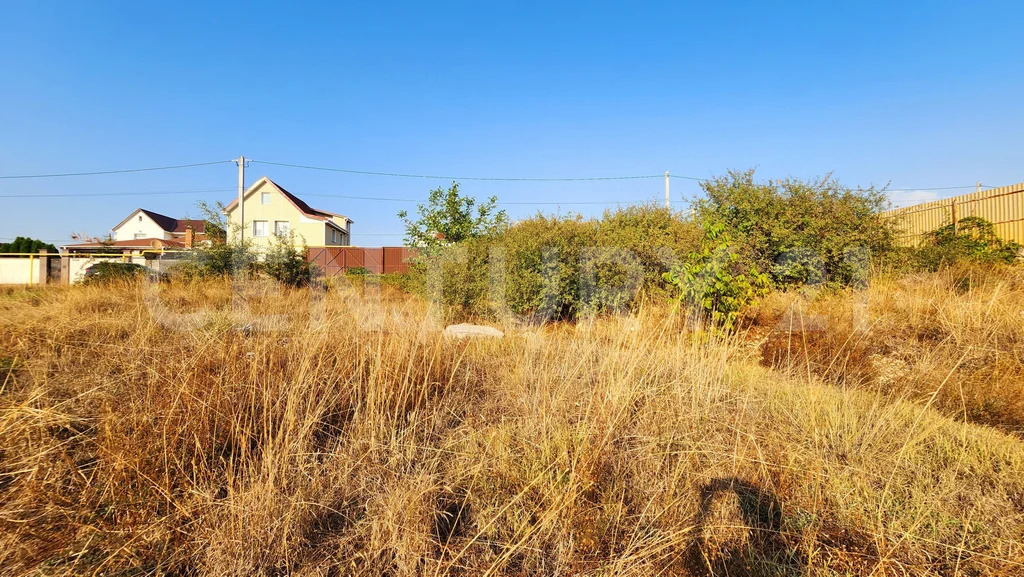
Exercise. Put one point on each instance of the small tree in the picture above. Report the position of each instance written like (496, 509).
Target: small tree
(215, 222)
(449, 217)
(714, 284)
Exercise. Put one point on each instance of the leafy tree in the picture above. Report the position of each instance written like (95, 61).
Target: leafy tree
(214, 219)
(448, 218)
(713, 282)
(799, 232)
(25, 244)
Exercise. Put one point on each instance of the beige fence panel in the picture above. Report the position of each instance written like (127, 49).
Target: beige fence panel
(1003, 207)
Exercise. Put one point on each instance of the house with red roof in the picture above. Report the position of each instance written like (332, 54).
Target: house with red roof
(145, 230)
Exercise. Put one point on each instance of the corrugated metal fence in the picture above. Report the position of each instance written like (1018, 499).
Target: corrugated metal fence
(334, 260)
(1003, 207)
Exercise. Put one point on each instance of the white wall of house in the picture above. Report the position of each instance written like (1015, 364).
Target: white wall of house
(139, 225)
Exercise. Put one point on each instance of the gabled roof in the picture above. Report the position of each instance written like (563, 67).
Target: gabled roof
(167, 223)
(300, 204)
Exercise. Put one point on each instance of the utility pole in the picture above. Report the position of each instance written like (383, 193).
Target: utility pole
(978, 188)
(668, 200)
(240, 161)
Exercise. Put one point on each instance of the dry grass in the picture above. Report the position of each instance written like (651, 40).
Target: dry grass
(956, 335)
(363, 443)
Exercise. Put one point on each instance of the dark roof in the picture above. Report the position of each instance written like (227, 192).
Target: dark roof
(165, 222)
(175, 225)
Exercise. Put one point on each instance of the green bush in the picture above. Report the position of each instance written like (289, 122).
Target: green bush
(799, 232)
(713, 283)
(560, 267)
(287, 264)
(972, 239)
(105, 272)
(217, 260)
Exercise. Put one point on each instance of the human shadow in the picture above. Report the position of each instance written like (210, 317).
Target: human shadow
(740, 533)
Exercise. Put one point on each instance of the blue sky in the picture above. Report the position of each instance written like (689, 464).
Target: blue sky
(917, 94)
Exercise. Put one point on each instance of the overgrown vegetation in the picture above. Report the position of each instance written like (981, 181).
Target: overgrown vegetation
(799, 232)
(562, 267)
(359, 442)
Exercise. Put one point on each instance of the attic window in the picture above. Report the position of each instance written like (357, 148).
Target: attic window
(265, 198)
(140, 218)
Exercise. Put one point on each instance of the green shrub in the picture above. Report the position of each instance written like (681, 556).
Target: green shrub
(217, 260)
(657, 236)
(713, 283)
(287, 264)
(559, 267)
(105, 272)
(799, 232)
(972, 239)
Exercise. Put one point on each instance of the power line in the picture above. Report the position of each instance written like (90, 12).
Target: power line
(489, 178)
(135, 194)
(122, 171)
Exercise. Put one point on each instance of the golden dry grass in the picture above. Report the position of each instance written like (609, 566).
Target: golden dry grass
(956, 335)
(360, 442)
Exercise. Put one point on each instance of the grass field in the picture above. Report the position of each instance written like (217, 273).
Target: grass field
(867, 433)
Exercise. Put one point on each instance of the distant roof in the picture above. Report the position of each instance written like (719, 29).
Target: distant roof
(140, 243)
(298, 202)
(169, 224)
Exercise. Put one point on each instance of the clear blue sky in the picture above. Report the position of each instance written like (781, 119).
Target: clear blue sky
(917, 94)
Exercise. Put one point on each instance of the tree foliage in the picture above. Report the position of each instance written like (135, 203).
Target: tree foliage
(798, 232)
(714, 284)
(449, 217)
(216, 225)
(24, 244)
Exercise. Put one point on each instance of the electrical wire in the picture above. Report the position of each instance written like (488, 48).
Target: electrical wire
(122, 171)
(92, 194)
(488, 178)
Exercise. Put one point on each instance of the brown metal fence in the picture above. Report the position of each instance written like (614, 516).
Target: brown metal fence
(335, 260)
(1003, 207)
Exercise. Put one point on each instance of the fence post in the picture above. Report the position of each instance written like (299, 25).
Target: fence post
(65, 269)
(43, 268)
(952, 209)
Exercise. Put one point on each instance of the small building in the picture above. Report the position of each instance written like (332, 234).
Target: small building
(271, 211)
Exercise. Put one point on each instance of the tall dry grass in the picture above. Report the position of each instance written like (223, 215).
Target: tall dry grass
(360, 442)
(954, 339)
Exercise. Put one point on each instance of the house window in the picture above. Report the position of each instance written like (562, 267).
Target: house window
(265, 198)
(281, 227)
(139, 235)
(259, 228)
(334, 236)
